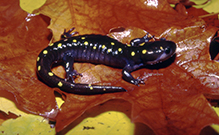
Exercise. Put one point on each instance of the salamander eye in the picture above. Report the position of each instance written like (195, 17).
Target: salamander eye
(167, 50)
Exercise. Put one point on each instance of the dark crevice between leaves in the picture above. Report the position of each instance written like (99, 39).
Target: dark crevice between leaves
(213, 102)
(214, 48)
(208, 130)
(187, 3)
(52, 124)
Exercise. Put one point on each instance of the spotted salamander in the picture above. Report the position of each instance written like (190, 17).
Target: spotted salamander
(99, 49)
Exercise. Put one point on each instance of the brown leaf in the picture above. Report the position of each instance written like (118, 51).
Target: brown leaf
(21, 36)
(171, 101)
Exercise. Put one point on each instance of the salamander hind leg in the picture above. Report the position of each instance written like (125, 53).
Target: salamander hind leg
(71, 75)
(68, 62)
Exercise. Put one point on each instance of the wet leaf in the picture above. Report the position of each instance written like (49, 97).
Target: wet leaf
(9, 106)
(173, 99)
(30, 5)
(22, 35)
(29, 124)
(99, 120)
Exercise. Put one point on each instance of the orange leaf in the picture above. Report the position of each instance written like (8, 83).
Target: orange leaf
(21, 36)
(171, 101)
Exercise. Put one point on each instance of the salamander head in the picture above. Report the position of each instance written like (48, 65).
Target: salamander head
(158, 51)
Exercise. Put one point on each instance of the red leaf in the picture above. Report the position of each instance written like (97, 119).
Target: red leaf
(21, 36)
(171, 101)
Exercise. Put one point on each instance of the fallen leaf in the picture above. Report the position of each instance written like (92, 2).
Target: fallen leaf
(11, 107)
(30, 5)
(172, 101)
(99, 120)
(29, 124)
(22, 35)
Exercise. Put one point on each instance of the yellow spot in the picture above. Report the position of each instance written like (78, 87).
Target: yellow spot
(51, 44)
(59, 45)
(104, 89)
(103, 46)
(128, 45)
(85, 43)
(142, 44)
(38, 58)
(74, 40)
(161, 47)
(112, 43)
(109, 50)
(60, 84)
(50, 73)
(91, 88)
(82, 37)
(144, 51)
(94, 47)
(120, 49)
(45, 52)
(38, 68)
(132, 53)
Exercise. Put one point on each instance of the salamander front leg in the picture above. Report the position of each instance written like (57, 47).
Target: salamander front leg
(126, 74)
(68, 62)
(140, 41)
(68, 33)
